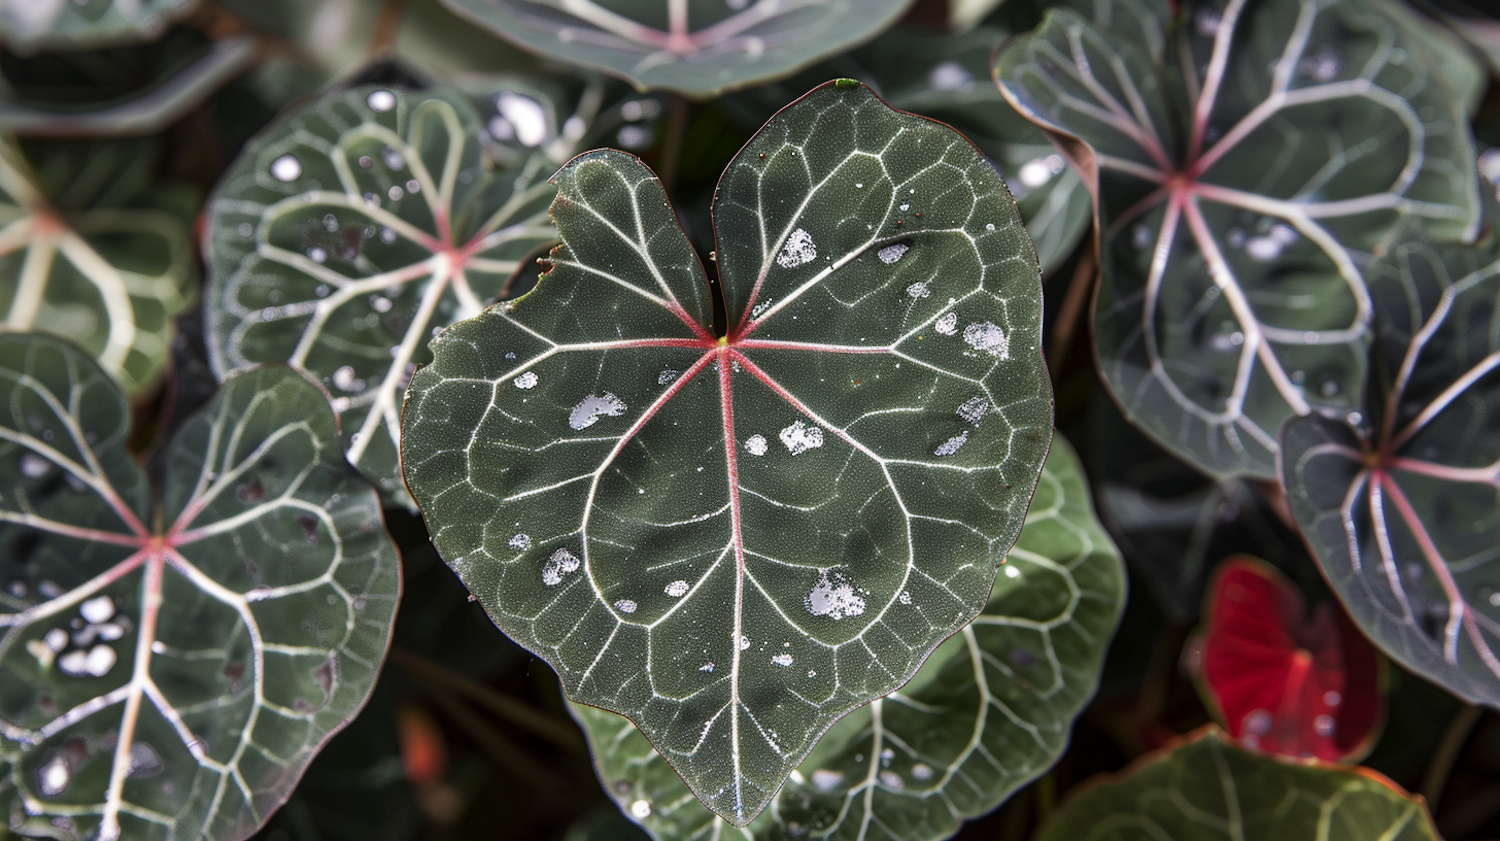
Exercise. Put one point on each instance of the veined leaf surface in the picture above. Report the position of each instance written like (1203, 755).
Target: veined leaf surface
(170, 663)
(699, 48)
(1245, 165)
(1400, 508)
(91, 257)
(990, 710)
(346, 236)
(30, 25)
(736, 541)
(1208, 790)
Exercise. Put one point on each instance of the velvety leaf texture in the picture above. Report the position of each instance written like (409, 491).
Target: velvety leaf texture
(989, 711)
(1400, 507)
(106, 273)
(1208, 790)
(169, 665)
(346, 236)
(736, 541)
(1246, 163)
(29, 25)
(699, 48)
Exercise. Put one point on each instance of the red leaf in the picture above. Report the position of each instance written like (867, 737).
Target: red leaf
(1281, 681)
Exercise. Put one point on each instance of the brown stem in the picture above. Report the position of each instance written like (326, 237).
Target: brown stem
(1447, 754)
(507, 754)
(672, 152)
(1071, 312)
(384, 34)
(502, 705)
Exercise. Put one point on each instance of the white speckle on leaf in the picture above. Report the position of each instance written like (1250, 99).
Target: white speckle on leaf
(318, 254)
(950, 76)
(1141, 236)
(835, 598)
(521, 542)
(561, 563)
(799, 249)
(951, 446)
(144, 761)
(667, 376)
(96, 662)
(381, 101)
(592, 408)
(756, 445)
(641, 809)
(706, 667)
(1324, 725)
(395, 194)
(744, 643)
(526, 115)
(343, 378)
(1323, 65)
(56, 639)
(973, 409)
(985, 336)
(413, 186)
(634, 137)
(947, 325)
(799, 438)
(527, 380)
(677, 589)
(782, 659)
(892, 780)
(286, 168)
(1257, 723)
(54, 775)
(245, 229)
(1206, 22)
(989, 226)
(1038, 171)
(381, 303)
(98, 609)
(1012, 572)
(892, 253)
(625, 606)
(825, 779)
(387, 235)
(921, 771)
(392, 159)
(1332, 698)
(918, 290)
(905, 597)
(34, 466)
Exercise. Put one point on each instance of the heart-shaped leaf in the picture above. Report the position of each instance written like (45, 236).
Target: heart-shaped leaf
(169, 663)
(736, 541)
(945, 77)
(30, 25)
(108, 269)
(699, 48)
(990, 709)
(1206, 788)
(1280, 681)
(1400, 508)
(1244, 165)
(344, 237)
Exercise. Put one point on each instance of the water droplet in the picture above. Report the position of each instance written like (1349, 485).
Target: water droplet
(55, 639)
(521, 541)
(392, 159)
(54, 775)
(387, 235)
(744, 643)
(677, 589)
(317, 254)
(985, 336)
(892, 780)
(1329, 388)
(825, 779)
(1206, 22)
(989, 226)
(527, 380)
(1257, 723)
(782, 659)
(799, 438)
(633, 137)
(561, 563)
(526, 117)
(836, 598)
(34, 466)
(245, 229)
(413, 186)
(1038, 171)
(331, 223)
(625, 606)
(395, 194)
(641, 809)
(96, 662)
(1324, 725)
(593, 407)
(286, 168)
(98, 609)
(950, 76)
(756, 444)
(380, 303)
(1012, 572)
(921, 771)
(1333, 698)
(799, 249)
(345, 380)
(892, 253)
(947, 324)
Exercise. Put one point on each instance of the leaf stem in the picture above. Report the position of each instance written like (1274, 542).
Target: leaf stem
(1072, 309)
(1447, 754)
(500, 748)
(383, 36)
(502, 705)
(671, 153)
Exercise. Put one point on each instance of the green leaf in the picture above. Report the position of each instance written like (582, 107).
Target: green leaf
(170, 662)
(88, 253)
(345, 236)
(699, 48)
(31, 25)
(989, 711)
(1206, 789)
(1246, 164)
(1400, 507)
(946, 77)
(736, 541)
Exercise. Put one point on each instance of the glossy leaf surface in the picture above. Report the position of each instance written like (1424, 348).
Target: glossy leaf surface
(1245, 164)
(344, 237)
(1400, 508)
(699, 48)
(946, 77)
(735, 542)
(1281, 681)
(88, 254)
(170, 663)
(1208, 790)
(990, 709)
(30, 25)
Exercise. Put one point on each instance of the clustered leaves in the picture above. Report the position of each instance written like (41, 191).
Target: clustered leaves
(749, 438)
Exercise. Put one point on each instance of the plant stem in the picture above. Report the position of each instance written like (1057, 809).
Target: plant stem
(384, 34)
(676, 127)
(1072, 309)
(500, 748)
(1447, 754)
(502, 705)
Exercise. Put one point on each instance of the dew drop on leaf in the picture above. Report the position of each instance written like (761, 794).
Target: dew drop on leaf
(392, 159)
(524, 116)
(34, 466)
(892, 780)
(54, 775)
(98, 609)
(782, 659)
(641, 809)
(286, 168)
(825, 779)
(1257, 723)
(1324, 725)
